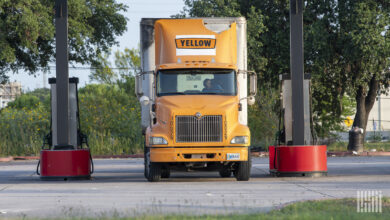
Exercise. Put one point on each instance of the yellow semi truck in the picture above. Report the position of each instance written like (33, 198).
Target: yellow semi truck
(194, 95)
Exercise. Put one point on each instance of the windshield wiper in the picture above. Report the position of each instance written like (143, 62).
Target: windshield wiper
(211, 93)
(173, 93)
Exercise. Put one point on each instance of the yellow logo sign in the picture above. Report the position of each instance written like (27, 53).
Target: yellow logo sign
(348, 121)
(195, 43)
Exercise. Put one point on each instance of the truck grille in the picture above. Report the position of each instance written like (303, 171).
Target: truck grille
(205, 129)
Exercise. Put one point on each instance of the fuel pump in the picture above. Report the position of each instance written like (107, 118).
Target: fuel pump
(62, 155)
(65, 161)
(297, 153)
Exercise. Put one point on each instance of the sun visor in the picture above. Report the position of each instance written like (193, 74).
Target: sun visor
(188, 40)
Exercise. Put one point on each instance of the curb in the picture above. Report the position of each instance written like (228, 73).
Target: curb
(6, 159)
(254, 154)
(118, 156)
(26, 158)
(365, 153)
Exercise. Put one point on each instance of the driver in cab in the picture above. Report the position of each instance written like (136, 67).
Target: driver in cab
(211, 86)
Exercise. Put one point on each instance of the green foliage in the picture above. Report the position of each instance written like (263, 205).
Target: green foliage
(263, 120)
(22, 127)
(27, 32)
(324, 119)
(348, 51)
(32, 99)
(4, 79)
(26, 101)
(110, 118)
(375, 137)
(127, 63)
(101, 70)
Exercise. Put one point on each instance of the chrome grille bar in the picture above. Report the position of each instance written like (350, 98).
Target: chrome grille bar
(205, 129)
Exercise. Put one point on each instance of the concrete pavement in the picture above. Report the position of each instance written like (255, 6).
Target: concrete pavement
(118, 188)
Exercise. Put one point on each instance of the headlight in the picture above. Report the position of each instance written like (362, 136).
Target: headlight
(157, 141)
(239, 140)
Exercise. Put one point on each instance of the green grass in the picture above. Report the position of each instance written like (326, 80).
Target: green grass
(320, 209)
(323, 209)
(378, 146)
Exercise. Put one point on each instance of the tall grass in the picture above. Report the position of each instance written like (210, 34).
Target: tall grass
(22, 130)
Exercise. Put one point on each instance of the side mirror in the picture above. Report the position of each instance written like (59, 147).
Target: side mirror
(138, 85)
(144, 100)
(252, 84)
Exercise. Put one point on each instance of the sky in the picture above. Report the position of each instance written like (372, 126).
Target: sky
(137, 9)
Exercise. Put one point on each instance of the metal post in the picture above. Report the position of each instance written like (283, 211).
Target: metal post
(62, 73)
(297, 77)
(379, 112)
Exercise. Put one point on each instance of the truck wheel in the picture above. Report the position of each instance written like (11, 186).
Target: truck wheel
(243, 170)
(165, 173)
(152, 170)
(145, 162)
(225, 172)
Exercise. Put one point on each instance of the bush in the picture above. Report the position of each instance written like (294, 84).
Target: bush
(110, 116)
(22, 130)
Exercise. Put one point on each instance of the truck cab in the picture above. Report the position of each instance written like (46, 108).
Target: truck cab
(193, 95)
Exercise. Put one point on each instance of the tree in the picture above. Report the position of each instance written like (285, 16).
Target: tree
(3, 79)
(127, 64)
(350, 46)
(364, 30)
(27, 32)
(25, 101)
(101, 70)
(128, 61)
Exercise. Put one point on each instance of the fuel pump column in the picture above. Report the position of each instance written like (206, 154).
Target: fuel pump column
(63, 156)
(297, 153)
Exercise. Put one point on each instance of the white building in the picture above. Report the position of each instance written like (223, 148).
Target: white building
(8, 93)
(379, 118)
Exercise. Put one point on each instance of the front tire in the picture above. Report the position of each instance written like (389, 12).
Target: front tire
(145, 162)
(166, 173)
(243, 169)
(152, 171)
(224, 172)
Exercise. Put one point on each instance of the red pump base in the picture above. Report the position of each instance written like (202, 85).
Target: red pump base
(309, 160)
(65, 164)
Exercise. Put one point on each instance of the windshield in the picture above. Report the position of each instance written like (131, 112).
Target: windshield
(196, 82)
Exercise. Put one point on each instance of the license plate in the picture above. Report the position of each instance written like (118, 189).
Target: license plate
(232, 156)
(198, 156)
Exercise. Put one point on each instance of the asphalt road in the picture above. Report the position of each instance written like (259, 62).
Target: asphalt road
(118, 188)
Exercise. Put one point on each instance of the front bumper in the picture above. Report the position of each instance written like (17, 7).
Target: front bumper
(207, 154)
